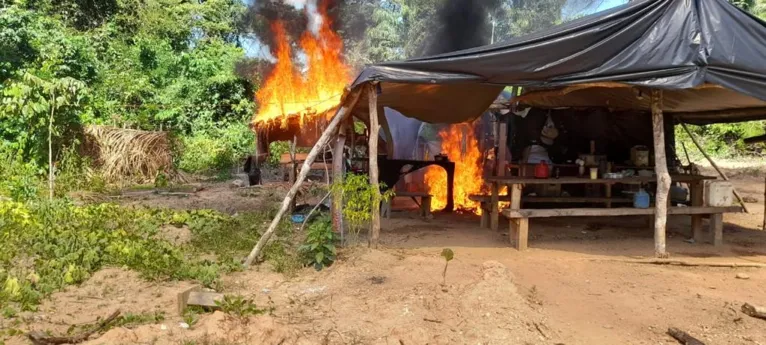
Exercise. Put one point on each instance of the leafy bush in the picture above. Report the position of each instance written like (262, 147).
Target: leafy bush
(19, 180)
(216, 150)
(358, 199)
(318, 249)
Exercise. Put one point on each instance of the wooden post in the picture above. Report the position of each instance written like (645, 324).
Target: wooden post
(337, 177)
(519, 228)
(663, 177)
(500, 162)
(716, 228)
(763, 227)
(319, 146)
(715, 166)
(372, 96)
(697, 199)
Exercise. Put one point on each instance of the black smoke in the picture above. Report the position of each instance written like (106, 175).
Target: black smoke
(462, 24)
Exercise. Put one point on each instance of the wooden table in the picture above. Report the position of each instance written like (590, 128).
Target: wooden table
(515, 184)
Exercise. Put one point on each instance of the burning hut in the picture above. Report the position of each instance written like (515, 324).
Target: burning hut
(665, 61)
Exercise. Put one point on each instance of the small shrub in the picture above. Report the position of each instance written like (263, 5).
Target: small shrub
(358, 199)
(239, 306)
(318, 249)
(19, 180)
(448, 255)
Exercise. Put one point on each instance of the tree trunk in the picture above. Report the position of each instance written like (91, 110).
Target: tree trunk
(323, 140)
(373, 153)
(663, 177)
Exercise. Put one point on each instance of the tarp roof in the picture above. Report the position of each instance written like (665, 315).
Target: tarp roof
(708, 55)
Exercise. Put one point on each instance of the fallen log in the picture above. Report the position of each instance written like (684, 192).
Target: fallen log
(754, 311)
(41, 338)
(683, 337)
(690, 264)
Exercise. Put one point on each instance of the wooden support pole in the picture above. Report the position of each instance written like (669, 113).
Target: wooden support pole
(372, 96)
(340, 115)
(716, 229)
(763, 227)
(663, 177)
(337, 177)
(697, 201)
(715, 166)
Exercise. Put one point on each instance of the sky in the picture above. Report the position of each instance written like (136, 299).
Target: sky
(254, 48)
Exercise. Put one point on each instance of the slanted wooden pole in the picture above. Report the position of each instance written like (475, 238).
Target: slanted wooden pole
(663, 177)
(337, 177)
(715, 166)
(372, 95)
(319, 146)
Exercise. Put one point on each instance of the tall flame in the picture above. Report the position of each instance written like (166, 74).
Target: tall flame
(287, 91)
(461, 147)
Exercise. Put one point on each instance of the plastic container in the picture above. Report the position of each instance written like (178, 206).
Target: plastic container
(542, 170)
(641, 199)
(719, 193)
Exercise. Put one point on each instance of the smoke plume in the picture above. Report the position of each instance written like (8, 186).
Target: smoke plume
(462, 24)
(310, 6)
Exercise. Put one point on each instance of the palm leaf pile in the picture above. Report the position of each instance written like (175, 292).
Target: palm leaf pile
(129, 154)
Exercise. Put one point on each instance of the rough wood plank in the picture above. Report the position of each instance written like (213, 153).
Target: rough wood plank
(716, 229)
(683, 337)
(584, 180)
(195, 296)
(552, 200)
(411, 194)
(611, 212)
(372, 96)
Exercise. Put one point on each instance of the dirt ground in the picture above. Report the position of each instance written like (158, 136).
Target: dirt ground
(573, 286)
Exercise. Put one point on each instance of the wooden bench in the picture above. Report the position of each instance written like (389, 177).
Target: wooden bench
(486, 208)
(288, 170)
(424, 203)
(519, 219)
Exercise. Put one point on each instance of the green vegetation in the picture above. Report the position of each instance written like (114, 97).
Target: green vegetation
(239, 306)
(448, 255)
(318, 249)
(358, 199)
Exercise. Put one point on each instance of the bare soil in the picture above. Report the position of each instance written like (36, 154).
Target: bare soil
(572, 287)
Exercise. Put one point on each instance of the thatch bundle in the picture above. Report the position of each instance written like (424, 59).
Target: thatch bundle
(128, 154)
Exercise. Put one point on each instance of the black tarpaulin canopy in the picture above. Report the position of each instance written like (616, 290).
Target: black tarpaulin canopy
(708, 55)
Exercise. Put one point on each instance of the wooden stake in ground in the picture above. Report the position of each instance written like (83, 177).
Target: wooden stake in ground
(372, 95)
(323, 140)
(764, 204)
(663, 177)
(715, 166)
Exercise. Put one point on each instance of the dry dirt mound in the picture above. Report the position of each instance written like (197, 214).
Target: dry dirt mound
(371, 297)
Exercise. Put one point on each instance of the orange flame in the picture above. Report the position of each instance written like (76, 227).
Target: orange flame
(461, 147)
(287, 91)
